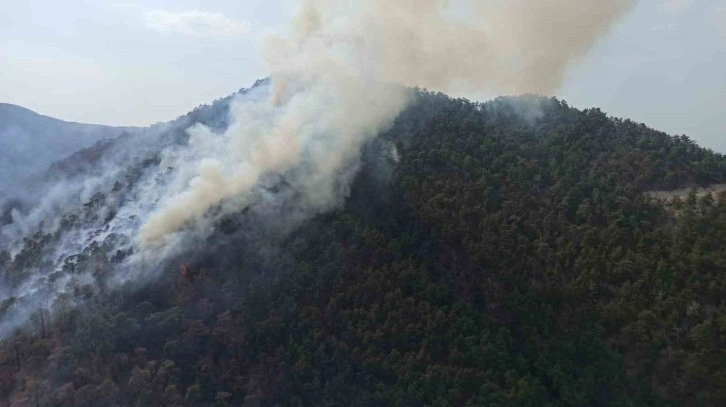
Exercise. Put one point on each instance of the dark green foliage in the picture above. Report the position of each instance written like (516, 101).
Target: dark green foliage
(512, 257)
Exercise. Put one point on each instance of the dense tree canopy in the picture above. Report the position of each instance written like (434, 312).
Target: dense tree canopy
(498, 254)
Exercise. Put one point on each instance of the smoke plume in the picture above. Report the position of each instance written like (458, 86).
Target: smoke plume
(339, 80)
(286, 149)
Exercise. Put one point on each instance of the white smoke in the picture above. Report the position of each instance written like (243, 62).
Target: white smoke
(335, 84)
(312, 129)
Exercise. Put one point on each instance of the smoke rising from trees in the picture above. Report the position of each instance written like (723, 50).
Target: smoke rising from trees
(336, 83)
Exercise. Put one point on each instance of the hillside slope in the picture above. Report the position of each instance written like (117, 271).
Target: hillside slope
(504, 253)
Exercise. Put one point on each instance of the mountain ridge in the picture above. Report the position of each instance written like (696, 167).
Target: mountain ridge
(16, 111)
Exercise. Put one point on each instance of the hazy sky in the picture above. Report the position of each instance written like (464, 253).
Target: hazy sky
(136, 63)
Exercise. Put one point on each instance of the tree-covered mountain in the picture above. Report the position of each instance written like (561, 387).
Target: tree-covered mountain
(502, 253)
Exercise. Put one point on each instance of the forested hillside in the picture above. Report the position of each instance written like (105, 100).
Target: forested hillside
(497, 254)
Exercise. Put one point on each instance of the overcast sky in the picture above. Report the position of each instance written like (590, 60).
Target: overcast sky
(136, 63)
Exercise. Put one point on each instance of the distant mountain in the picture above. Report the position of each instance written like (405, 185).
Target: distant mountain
(30, 142)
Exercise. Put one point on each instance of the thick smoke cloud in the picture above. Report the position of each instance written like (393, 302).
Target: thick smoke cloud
(288, 148)
(337, 83)
(511, 46)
